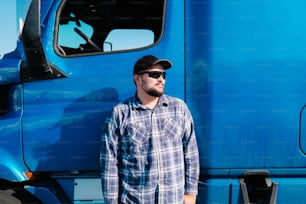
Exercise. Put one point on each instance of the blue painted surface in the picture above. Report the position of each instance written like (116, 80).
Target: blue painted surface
(247, 71)
(240, 66)
(9, 69)
(11, 164)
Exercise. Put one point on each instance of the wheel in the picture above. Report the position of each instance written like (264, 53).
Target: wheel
(6, 197)
(11, 196)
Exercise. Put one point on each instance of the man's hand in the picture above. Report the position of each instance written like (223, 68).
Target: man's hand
(189, 199)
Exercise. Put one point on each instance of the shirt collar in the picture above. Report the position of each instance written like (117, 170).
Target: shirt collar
(136, 103)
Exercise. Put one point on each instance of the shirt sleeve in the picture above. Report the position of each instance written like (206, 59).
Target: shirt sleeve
(191, 156)
(108, 161)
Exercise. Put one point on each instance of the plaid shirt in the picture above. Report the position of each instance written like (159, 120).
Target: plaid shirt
(149, 156)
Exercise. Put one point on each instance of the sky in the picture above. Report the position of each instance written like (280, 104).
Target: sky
(8, 33)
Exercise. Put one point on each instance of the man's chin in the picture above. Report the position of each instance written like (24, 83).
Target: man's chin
(155, 93)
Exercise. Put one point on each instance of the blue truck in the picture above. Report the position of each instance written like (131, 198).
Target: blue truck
(239, 65)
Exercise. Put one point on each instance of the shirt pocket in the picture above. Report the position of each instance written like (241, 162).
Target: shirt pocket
(138, 137)
(135, 149)
(173, 129)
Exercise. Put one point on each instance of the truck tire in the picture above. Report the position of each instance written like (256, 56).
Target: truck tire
(6, 197)
(10, 196)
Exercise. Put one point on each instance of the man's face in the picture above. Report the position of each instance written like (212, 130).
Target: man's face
(153, 85)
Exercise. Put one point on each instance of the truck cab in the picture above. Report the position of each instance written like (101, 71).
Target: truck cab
(240, 72)
(72, 64)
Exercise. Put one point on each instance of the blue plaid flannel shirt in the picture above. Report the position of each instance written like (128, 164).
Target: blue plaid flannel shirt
(149, 156)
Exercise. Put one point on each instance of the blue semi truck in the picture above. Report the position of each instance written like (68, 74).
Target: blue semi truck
(239, 65)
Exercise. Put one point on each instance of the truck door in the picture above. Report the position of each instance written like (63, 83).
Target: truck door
(92, 46)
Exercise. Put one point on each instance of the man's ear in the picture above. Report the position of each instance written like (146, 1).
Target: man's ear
(136, 78)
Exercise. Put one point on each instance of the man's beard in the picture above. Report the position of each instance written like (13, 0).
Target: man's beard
(154, 92)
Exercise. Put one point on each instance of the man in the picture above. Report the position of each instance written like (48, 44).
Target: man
(149, 151)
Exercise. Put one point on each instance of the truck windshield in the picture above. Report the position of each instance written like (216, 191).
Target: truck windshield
(91, 26)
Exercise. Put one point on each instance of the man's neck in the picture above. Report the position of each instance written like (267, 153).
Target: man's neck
(148, 101)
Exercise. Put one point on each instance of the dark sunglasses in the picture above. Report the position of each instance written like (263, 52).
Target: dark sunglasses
(155, 74)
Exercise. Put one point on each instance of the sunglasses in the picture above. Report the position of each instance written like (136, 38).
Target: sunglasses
(155, 74)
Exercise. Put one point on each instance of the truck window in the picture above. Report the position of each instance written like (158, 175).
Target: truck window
(125, 39)
(67, 37)
(99, 26)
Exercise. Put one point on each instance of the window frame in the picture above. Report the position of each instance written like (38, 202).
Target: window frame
(60, 53)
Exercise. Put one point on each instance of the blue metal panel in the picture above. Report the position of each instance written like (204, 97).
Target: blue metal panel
(9, 70)
(291, 190)
(43, 194)
(246, 81)
(11, 163)
(214, 191)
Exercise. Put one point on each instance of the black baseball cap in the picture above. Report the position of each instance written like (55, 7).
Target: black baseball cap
(148, 61)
